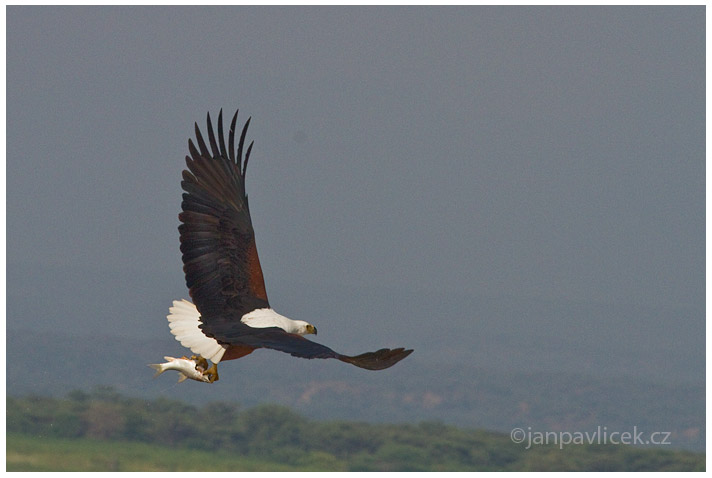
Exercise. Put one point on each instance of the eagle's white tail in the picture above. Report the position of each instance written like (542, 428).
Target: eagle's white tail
(184, 321)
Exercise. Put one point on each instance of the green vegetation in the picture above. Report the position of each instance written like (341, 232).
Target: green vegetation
(26, 453)
(104, 431)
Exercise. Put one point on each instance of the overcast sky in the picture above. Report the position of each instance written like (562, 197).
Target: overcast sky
(554, 153)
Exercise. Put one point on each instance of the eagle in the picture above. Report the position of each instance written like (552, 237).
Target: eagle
(230, 316)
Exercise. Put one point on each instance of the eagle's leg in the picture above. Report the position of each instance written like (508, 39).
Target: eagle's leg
(212, 373)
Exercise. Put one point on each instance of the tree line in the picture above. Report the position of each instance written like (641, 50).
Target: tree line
(278, 434)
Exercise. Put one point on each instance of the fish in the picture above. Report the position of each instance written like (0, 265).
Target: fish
(186, 367)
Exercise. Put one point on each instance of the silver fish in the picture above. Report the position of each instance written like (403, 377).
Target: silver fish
(186, 367)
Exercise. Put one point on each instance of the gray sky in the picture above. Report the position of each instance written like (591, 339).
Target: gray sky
(546, 153)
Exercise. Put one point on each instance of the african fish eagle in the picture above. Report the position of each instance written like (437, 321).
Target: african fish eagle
(230, 315)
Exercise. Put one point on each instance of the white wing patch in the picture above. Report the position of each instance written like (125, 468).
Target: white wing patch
(184, 321)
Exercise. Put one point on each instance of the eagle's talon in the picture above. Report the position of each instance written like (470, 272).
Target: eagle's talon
(201, 363)
(212, 373)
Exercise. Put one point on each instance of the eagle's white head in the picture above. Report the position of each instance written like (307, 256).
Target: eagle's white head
(302, 328)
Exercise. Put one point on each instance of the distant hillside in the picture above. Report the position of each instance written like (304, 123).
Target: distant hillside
(413, 391)
(660, 343)
(105, 431)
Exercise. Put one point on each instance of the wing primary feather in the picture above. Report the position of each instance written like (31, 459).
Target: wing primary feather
(247, 158)
(242, 143)
(211, 138)
(221, 137)
(210, 176)
(193, 151)
(187, 175)
(201, 144)
(195, 217)
(378, 360)
(231, 139)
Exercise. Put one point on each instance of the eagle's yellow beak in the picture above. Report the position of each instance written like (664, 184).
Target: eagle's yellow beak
(311, 329)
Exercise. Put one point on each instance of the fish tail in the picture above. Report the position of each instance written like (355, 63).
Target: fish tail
(158, 367)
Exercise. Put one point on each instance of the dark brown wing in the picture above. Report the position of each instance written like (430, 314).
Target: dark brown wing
(277, 339)
(222, 269)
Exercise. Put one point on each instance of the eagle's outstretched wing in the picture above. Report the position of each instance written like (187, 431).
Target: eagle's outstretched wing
(296, 345)
(222, 269)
